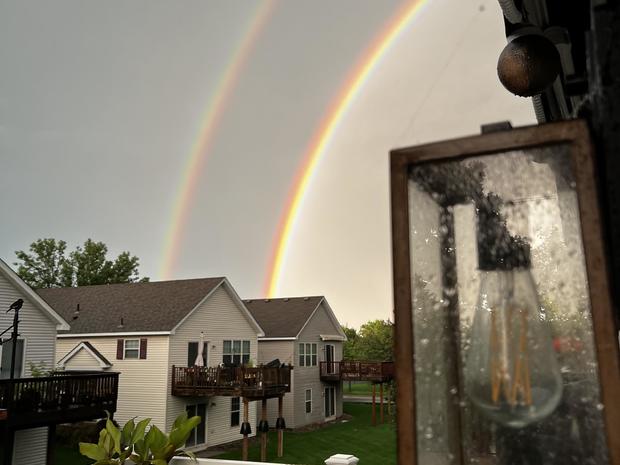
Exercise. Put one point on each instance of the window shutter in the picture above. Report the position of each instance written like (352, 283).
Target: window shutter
(143, 349)
(120, 346)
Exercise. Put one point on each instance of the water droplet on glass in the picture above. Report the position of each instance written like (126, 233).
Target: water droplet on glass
(424, 341)
(454, 391)
(599, 406)
(428, 433)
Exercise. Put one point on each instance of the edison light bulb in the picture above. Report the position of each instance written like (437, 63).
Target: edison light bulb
(511, 373)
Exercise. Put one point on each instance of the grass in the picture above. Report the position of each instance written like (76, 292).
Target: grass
(373, 445)
(65, 455)
(358, 388)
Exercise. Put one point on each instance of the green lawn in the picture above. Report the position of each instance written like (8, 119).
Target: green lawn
(358, 388)
(372, 445)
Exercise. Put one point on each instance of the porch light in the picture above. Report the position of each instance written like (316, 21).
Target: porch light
(505, 344)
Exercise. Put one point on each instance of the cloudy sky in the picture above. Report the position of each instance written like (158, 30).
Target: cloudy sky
(102, 102)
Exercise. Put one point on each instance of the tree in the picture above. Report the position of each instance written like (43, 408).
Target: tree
(374, 341)
(350, 346)
(47, 265)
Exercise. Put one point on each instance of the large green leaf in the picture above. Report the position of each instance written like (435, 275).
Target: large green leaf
(115, 434)
(179, 436)
(155, 440)
(138, 432)
(180, 420)
(93, 451)
(127, 433)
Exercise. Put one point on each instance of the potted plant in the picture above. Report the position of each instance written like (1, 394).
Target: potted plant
(133, 442)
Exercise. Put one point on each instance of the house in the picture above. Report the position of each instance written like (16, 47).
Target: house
(31, 407)
(304, 332)
(150, 331)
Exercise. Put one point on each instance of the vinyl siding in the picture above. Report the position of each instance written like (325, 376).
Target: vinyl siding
(219, 318)
(309, 377)
(83, 360)
(283, 350)
(142, 389)
(39, 334)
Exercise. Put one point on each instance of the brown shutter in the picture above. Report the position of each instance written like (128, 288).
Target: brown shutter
(120, 346)
(143, 349)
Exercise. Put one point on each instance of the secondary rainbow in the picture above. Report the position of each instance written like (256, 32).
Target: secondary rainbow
(196, 162)
(319, 143)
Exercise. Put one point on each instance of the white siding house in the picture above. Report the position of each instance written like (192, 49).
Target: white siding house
(38, 324)
(293, 325)
(143, 329)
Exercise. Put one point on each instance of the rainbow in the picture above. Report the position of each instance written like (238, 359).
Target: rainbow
(319, 143)
(196, 161)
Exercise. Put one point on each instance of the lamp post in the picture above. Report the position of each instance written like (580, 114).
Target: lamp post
(16, 306)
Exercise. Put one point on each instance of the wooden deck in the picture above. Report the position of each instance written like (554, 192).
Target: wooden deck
(251, 383)
(33, 402)
(349, 370)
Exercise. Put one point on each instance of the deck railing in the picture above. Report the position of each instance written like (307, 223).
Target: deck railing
(349, 370)
(58, 397)
(245, 381)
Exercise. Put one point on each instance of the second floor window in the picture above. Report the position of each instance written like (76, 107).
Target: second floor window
(132, 348)
(307, 355)
(236, 352)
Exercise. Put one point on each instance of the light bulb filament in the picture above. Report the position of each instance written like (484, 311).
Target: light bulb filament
(501, 381)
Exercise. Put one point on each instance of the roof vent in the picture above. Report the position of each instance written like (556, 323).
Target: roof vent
(120, 326)
(306, 298)
(267, 300)
(286, 299)
(76, 314)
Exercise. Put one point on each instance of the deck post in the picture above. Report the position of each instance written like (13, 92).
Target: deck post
(381, 400)
(280, 427)
(244, 446)
(374, 403)
(8, 441)
(263, 434)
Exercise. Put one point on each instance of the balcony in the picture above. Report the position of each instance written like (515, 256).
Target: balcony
(251, 383)
(34, 402)
(348, 370)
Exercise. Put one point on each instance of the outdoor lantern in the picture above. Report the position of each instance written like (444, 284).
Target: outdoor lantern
(506, 351)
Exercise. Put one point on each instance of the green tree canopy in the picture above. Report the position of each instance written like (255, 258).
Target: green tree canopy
(373, 342)
(48, 265)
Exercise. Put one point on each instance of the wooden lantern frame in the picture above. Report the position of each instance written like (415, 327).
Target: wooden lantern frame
(576, 136)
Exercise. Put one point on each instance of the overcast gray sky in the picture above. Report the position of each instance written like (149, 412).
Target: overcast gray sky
(100, 103)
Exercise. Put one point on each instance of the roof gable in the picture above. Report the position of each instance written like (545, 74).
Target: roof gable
(287, 317)
(33, 297)
(129, 307)
(90, 349)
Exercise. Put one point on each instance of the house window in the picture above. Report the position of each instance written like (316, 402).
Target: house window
(235, 410)
(308, 400)
(236, 352)
(307, 355)
(132, 348)
(197, 435)
(5, 364)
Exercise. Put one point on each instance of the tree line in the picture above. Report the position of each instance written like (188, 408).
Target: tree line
(48, 264)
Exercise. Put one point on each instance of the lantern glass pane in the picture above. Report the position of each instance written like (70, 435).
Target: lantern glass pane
(504, 356)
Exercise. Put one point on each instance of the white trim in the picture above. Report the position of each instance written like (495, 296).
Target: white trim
(277, 339)
(328, 337)
(236, 299)
(62, 362)
(131, 348)
(130, 333)
(33, 297)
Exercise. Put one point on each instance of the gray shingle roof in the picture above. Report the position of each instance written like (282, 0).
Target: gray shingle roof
(282, 317)
(154, 306)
